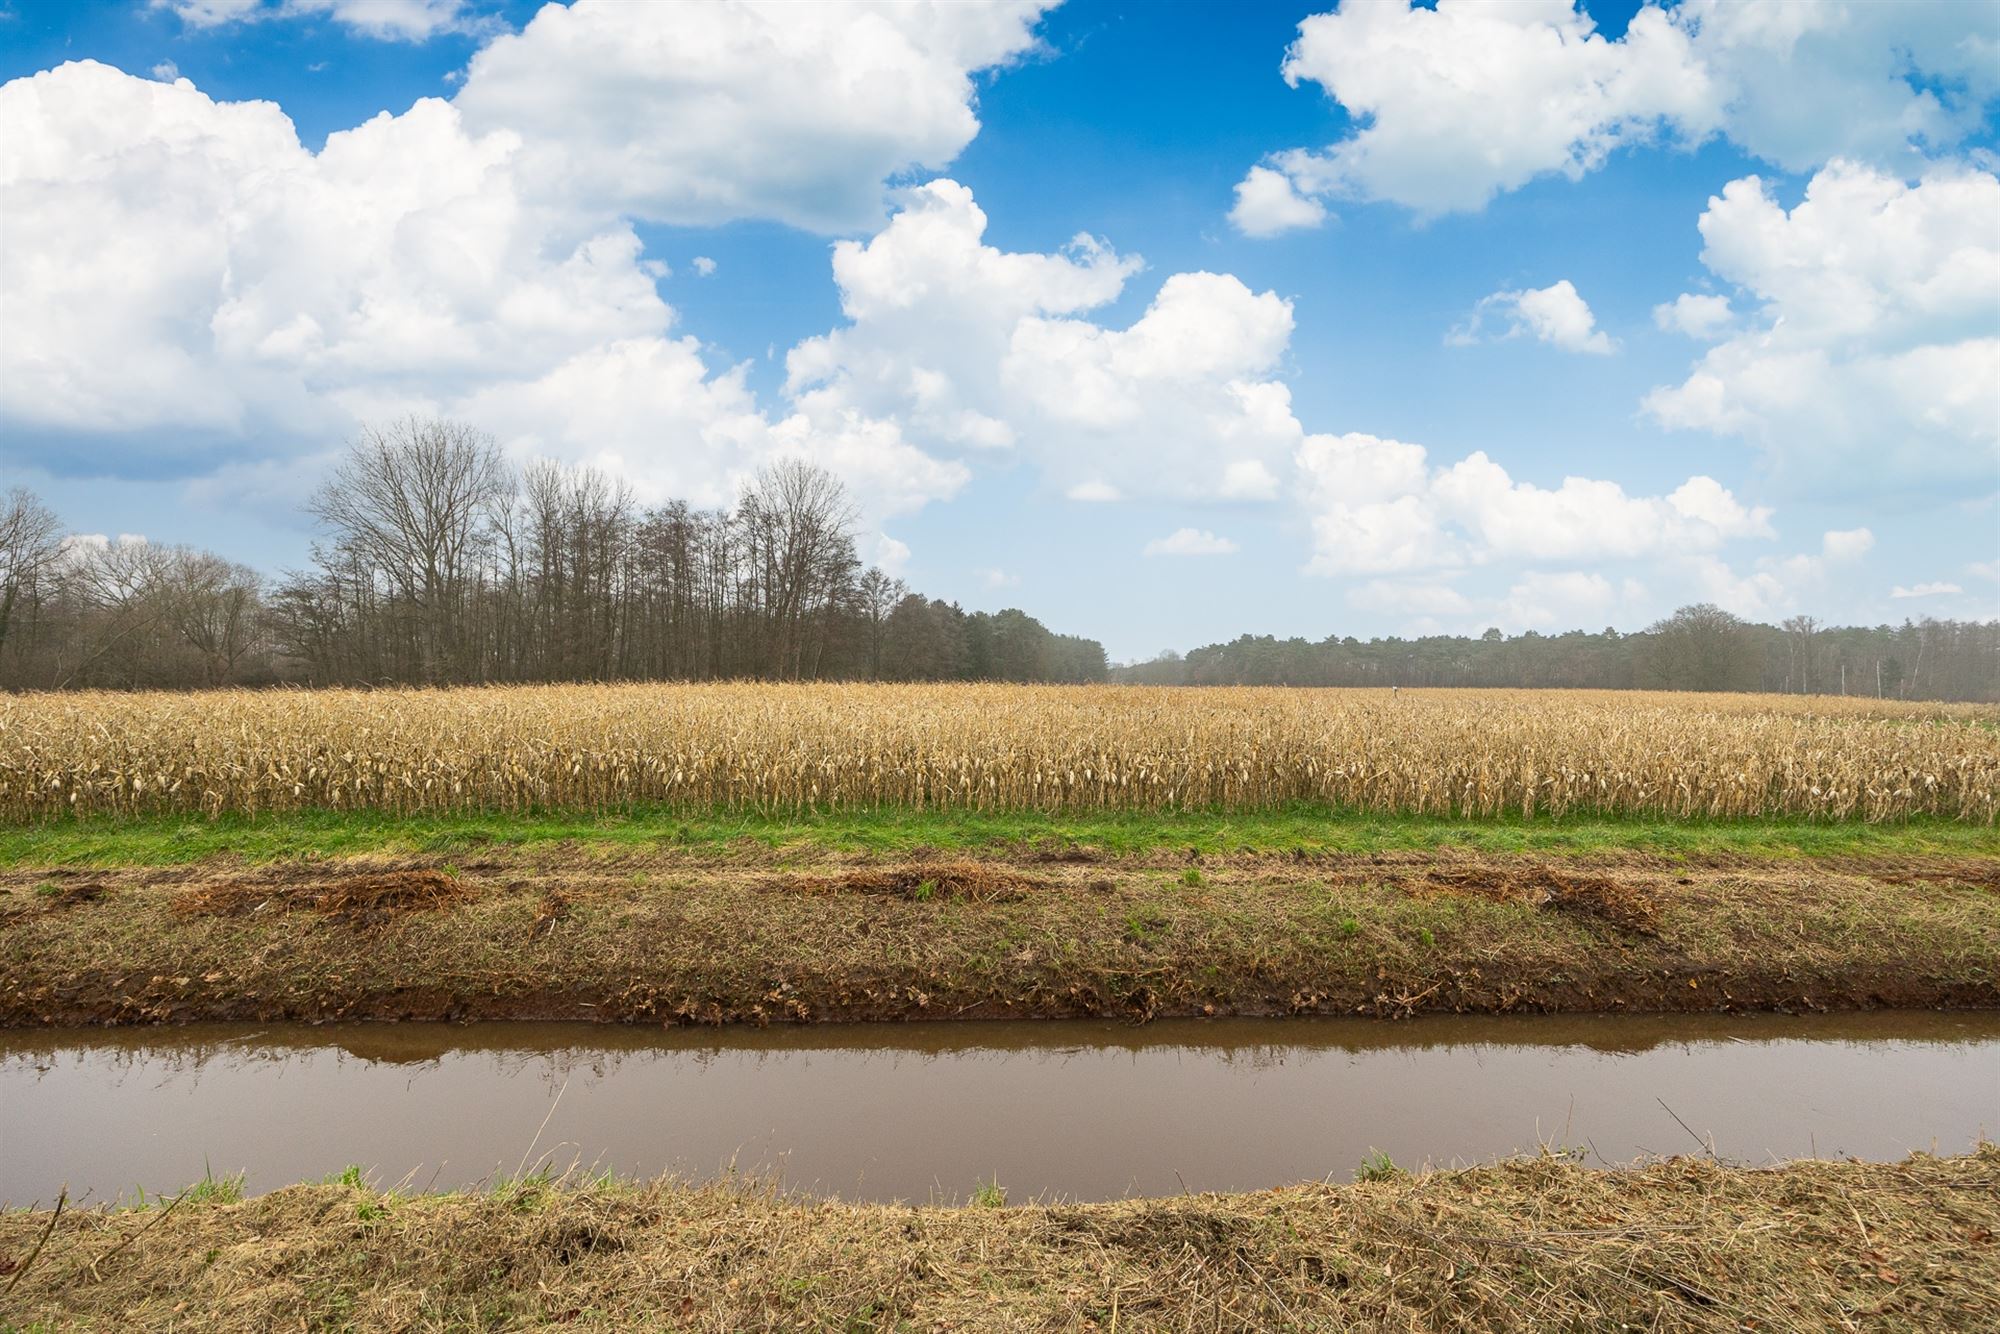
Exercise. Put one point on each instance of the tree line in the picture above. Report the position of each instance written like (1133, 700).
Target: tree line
(442, 563)
(1700, 647)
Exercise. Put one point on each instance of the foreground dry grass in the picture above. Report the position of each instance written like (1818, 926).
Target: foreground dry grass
(1531, 1245)
(839, 747)
(652, 934)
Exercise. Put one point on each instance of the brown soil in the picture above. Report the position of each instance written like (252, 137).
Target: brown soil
(1533, 1245)
(647, 935)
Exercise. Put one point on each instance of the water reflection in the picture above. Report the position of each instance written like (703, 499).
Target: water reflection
(1082, 1110)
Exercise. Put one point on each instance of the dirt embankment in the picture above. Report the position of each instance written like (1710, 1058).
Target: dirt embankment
(663, 936)
(1531, 1245)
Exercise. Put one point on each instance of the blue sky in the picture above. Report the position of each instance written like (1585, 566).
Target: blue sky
(1373, 328)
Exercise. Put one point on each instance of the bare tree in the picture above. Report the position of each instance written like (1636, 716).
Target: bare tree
(30, 543)
(799, 522)
(111, 590)
(577, 536)
(877, 595)
(411, 504)
(213, 605)
(1799, 632)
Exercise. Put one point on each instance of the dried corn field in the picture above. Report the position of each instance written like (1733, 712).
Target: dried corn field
(785, 748)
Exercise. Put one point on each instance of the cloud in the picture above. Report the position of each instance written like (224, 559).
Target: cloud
(1984, 569)
(1190, 542)
(1555, 314)
(189, 288)
(178, 262)
(1564, 599)
(750, 110)
(1931, 590)
(1267, 203)
(1456, 104)
(1377, 507)
(1847, 544)
(1093, 492)
(1807, 84)
(1697, 316)
(1777, 586)
(1868, 366)
(888, 553)
(388, 20)
(166, 71)
(996, 578)
(704, 266)
(210, 13)
(976, 349)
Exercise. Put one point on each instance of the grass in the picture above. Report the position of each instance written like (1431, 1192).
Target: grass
(180, 840)
(1378, 1166)
(1525, 1245)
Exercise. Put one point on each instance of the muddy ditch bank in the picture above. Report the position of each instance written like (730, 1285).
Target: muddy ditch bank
(658, 937)
(1686, 1244)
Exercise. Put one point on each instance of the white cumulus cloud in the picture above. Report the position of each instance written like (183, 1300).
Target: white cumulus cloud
(1930, 590)
(1190, 542)
(1562, 599)
(1555, 314)
(1377, 507)
(749, 108)
(188, 287)
(400, 20)
(974, 348)
(1870, 363)
(1697, 315)
(1268, 203)
(1455, 104)
(1846, 544)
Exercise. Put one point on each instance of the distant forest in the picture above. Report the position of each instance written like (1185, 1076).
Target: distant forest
(442, 563)
(1701, 647)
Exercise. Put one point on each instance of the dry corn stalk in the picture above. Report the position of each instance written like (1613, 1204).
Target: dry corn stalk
(781, 748)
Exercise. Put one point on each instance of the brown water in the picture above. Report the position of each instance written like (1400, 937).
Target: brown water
(919, 1112)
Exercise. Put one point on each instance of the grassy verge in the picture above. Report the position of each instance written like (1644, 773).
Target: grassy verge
(181, 840)
(1528, 1245)
(649, 933)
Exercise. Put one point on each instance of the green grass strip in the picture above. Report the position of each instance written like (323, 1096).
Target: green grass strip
(180, 839)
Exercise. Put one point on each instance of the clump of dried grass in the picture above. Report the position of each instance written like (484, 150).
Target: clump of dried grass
(1618, 903)
(1686, 1244)
(364, 898)
(980, 882)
